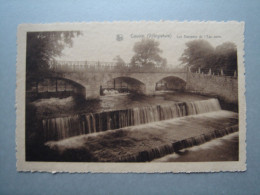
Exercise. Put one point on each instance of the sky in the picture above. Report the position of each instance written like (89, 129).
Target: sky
(99, 41)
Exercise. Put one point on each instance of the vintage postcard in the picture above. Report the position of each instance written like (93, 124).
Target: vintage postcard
(124, 97)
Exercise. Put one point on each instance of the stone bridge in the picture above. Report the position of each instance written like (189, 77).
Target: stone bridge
(90, 78)
(142, 82)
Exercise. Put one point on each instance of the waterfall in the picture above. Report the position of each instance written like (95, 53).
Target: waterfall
(64, 127)
(203, 106)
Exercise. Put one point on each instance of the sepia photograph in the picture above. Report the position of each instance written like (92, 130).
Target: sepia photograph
(129, 97)
(126, 93)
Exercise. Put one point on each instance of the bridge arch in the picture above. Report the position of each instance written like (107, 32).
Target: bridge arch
(171, 83)
(78, 89)
(49, 86)
(126, 83)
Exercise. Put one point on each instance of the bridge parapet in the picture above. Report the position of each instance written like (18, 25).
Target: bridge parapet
(96, 66)
(215, 72)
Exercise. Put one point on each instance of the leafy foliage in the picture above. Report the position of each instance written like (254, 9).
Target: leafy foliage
(201, 54)
(120, 63)
(147, 54)
(45, 46)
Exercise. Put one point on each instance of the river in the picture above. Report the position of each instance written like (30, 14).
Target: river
(55, 107)
(140, 124)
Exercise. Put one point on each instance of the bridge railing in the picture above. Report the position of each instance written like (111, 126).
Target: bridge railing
(216, 72)
(96, 66)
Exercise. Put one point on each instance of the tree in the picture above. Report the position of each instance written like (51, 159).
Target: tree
(119, 62)
(226, 57)
(201, 54)
(147, 54)
(198, 54)
(45, 46)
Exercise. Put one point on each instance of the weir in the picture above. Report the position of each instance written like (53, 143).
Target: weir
(65, 127)
(145, 142)
(160, 151)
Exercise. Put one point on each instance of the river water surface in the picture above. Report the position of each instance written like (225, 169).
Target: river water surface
(55, 107)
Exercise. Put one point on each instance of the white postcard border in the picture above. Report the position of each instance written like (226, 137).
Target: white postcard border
(154, 167)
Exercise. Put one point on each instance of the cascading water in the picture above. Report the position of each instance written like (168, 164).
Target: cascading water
(163, 150)
(64, 127)
(203, 106)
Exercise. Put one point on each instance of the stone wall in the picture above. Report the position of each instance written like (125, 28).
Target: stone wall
(223, 87)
